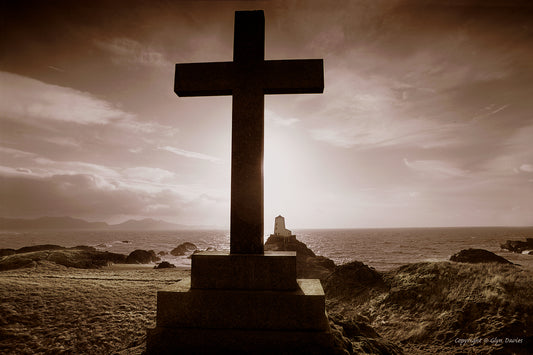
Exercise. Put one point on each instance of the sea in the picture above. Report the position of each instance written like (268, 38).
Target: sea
(382, 249)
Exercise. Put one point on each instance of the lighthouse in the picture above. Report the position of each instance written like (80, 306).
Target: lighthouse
(279, 228)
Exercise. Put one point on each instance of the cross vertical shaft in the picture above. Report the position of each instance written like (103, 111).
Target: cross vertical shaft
(247, 142)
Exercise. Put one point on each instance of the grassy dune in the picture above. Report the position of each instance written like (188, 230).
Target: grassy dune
(445, 307)
(52, 310)
(424, 308)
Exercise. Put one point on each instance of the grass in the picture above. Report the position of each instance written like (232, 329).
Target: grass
(55, 310)
(424, 307)
(434, 304)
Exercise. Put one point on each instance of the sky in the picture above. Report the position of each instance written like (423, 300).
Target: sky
(426, 118)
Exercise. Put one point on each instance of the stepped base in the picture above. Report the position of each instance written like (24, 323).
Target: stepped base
(301, 309)
(163, 340)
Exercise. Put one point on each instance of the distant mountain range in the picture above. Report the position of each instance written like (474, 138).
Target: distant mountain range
(76, 223)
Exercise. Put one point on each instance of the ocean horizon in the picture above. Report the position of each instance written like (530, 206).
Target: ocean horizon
(381, 248)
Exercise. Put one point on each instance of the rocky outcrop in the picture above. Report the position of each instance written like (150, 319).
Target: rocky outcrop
(140, 256)
(77, 258)
(39, 248)
(164, 265)
(478, 256)
(518, 246)
(6, 252)
(184, 249)
(308, 264)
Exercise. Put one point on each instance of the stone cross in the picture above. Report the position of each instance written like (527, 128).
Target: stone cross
(248, 78)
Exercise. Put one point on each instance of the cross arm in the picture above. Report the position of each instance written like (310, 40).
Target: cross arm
(204, 79)
(298, 76)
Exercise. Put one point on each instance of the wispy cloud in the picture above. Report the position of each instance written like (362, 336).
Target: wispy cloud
(148, 174)
(435, 168)
(26, 98)
(275, 119)
(527, 168)
(129, 51)
(189, 154)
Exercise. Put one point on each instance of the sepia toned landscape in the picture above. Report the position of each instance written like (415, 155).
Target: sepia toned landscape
(422, 308)
(148, 147)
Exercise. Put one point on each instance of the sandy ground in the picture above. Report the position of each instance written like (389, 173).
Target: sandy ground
(52, 309)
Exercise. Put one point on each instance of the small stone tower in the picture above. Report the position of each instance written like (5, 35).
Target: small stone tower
(279, 227)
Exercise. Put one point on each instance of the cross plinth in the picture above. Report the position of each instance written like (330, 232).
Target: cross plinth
(247, 79)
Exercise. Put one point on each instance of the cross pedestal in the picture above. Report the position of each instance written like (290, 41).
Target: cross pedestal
(245, 300)
(242, 303)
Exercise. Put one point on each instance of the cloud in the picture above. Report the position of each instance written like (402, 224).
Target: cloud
(16, 153)
(527, 168)
(189, 154)
(26, 98)
(128, 51)
(63, 141)
(272, 117)
(76, 195)
(435, 168)
(148, 174)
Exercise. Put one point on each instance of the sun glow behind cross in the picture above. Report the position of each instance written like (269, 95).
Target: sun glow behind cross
(285, 167)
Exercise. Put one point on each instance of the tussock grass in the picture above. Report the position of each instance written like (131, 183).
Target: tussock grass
(435, 304)
(53, 310)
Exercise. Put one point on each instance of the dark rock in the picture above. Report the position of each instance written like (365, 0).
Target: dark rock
(308, 264)
(275, 242)
(84, 247)
(6, 252)
(140, 256)
(183, 249)
(106, 257)
(164, 265)
(126, 241)
(39, 248)
(518, 246)
(478, 256)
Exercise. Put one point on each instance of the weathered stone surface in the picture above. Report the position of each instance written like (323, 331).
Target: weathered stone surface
(162, 340)
(478, 256)
(183, 249)
(142, 257)
(222, 270)
(302, 309)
